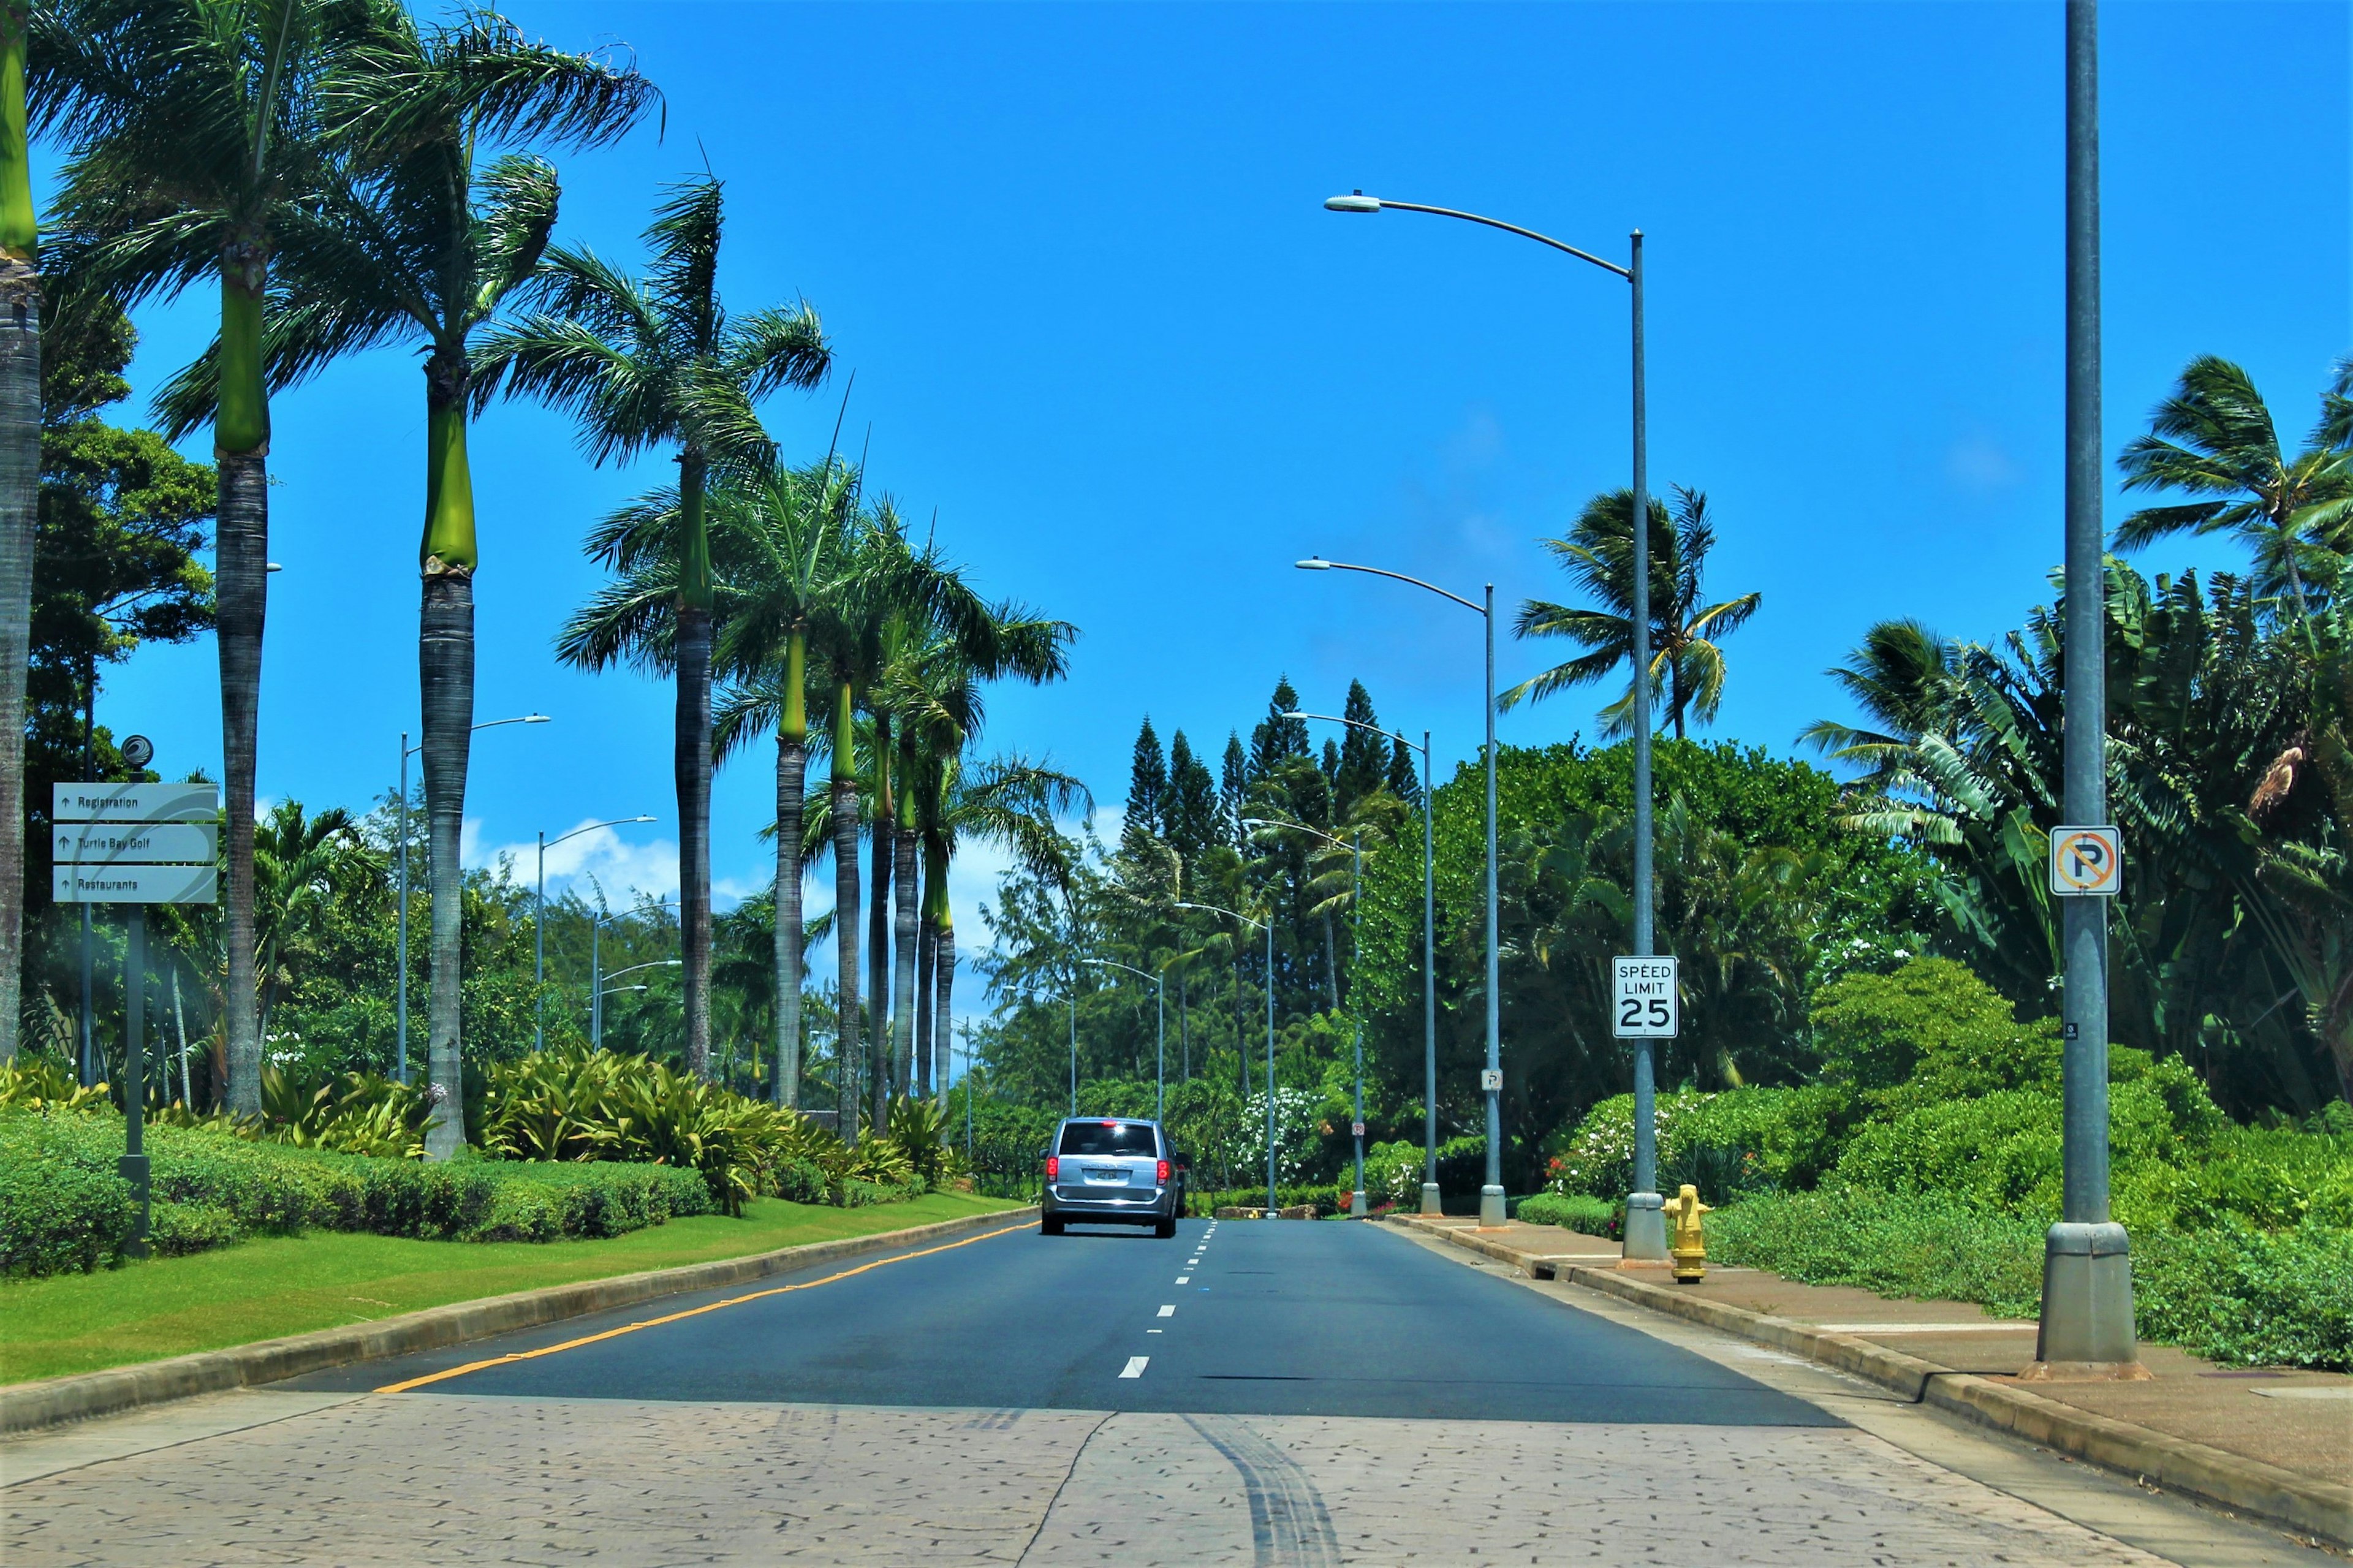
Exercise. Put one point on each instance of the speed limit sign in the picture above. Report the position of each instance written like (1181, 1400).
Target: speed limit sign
(1643, 998)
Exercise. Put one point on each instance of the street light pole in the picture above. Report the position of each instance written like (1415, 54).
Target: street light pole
(539, 924)
(1491, 1195)
(1266, 925)
(596, 967)
(1160, 1048)
(400, 1048)
(1646, 1233)
(2086, 1329)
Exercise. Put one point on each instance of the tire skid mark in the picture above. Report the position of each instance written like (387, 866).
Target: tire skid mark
(1290, 1527)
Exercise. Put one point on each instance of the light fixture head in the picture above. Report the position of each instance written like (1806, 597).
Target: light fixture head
(1356, 202)
(535, 719)
(1313, 563)
(273, 567)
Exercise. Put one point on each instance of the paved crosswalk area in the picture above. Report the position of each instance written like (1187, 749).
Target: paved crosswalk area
(376, 1480)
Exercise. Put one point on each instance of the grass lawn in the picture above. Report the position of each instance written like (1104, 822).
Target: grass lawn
(289, 1285)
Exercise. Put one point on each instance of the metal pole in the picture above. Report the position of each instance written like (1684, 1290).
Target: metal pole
(595, 981)
(1646, 1223)
(89, 1064)
(1075, 1046)
(1490, 1197)
(401, 1058)
(1160, 1054)
(1356, 933)
(1271, 1205)
(135, 1073)
(1430, 1198)
(539, 951)
(2087, 1303)
(967, 1095)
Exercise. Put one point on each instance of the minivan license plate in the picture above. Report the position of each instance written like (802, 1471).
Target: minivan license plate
(1115, 1174)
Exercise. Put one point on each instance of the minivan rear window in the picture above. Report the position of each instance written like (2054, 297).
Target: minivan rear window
(1100, 1138)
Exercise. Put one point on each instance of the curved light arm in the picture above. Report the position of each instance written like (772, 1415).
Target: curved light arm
(491, 724)
(593, 827)
(1357, 724)
(1221, 910)
(1361, 203)
(1317, 563)
(1114, 963)
(616, 990)
(611, 915)
(657, 963)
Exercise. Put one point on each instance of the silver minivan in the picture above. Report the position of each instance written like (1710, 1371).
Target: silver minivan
(1111, 1169)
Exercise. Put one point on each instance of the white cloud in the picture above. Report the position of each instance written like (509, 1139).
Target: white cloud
(625, 868)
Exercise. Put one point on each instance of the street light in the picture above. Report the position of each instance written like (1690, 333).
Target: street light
(1430, 1200)
(1266, 925)
(1491, 1195)
(539, 923)
(406, 750)
(598, 1005)
(1355, 845)
(1160, 1048)
(595, 961)
(1646, 1230)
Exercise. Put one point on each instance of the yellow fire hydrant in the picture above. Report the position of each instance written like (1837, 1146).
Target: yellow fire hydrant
(1687, 1245)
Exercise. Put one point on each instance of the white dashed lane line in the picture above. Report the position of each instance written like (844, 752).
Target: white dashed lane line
(1183, 1279)
(1135, 1365)
(1169, 1310)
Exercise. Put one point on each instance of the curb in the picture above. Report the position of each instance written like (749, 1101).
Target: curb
(2322, 1510)
(31, 1406)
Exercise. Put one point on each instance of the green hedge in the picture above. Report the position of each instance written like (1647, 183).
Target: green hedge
(63, 1207)
(1587, 1216)
(1329, 1198)
(2231, 1293)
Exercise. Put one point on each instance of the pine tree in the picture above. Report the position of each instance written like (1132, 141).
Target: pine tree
(1147, 788)
(1190, 817)
(1403, 782)
(1277, 738)
(1233, 792)
(1363, 754)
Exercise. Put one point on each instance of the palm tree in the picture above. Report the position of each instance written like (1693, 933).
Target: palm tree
(651, 361)
(789, 532)
(1906, 679)
(1686, 634)
(20, 489)
(198, 151)
(2214, 439)
(409, 240)
(301, 865)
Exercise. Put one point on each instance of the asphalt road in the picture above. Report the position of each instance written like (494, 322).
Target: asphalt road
(1233, 1318)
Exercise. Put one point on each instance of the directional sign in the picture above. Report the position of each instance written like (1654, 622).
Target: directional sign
(102, 844)
(134, 885)
(1643, 998)
(1491, 1078)
(2086, 862)
(137, 803)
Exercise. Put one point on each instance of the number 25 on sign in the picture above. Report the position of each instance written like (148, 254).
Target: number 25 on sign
(2086, 862)
(1643, 998)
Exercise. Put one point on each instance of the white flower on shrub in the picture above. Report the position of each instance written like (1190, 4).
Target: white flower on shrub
(1294, 1136)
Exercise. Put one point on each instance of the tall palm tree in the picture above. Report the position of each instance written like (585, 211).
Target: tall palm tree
(197, 151)
(657, 362)
(2214, 439)
(789, 530)
(20, 489)
(1686, 652)
(409, 240)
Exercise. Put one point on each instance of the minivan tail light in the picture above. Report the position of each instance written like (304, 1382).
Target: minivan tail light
(1053, 1166)
(1162, 1175)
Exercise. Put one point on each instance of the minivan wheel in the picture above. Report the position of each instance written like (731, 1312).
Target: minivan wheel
(1164, 1228)
(1049, 1226)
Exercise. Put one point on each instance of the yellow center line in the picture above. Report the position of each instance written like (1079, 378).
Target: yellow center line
(689, 1312)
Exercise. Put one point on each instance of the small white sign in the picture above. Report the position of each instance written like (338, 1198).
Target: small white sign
(1357, 1129)
(2086, 862)
(1644, 999)
(136, 803)
(134, 885)
(1491, 1078)
(164, 843)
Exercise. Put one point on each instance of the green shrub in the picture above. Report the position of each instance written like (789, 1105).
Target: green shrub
(1775, 1137)
(2234, 1294)
(798, 1181)
(1393, 1173)
(57, 1215)
(1327, 1198)
(174, 1230)
(1931, 1020)
(1578, 1211)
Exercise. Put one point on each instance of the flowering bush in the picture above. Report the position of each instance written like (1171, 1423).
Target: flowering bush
(1295, 1135)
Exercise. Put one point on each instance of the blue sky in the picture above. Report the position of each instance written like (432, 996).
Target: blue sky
(1100, 325)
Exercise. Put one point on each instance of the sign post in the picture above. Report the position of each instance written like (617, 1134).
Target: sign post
(135, 844)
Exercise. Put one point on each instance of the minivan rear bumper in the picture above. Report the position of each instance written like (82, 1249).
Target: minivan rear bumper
(1094, 1204)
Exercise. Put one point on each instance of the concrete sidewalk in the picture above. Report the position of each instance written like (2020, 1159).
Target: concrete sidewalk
(2275, 1441)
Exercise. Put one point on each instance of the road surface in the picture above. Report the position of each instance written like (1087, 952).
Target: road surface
(1248, 1392)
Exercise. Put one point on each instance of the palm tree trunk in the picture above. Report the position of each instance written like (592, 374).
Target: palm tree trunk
(691, 763)
(240, 595)
(845, 908)
(1184, 1032)
(445, 678)
(906, 932)
(943, 970)
(1331, 963)
(792, 765)
(20, 490)
(927, 952)
(882, 851)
